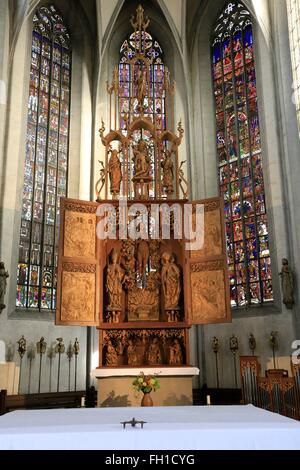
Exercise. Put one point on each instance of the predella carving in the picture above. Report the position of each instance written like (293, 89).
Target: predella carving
(143, 347)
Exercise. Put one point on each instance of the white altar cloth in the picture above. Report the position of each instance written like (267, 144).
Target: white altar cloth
(167, 428)
(131, 372)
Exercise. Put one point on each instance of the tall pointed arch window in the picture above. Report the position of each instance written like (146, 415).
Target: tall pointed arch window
(154, 104)
(240, 157)
(293, 8)
(141, 61)
(46, 161)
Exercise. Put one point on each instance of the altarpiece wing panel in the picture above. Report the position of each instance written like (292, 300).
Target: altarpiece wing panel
(206, 276)
(79, 265)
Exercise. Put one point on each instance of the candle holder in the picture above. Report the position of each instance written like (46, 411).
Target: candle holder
(76, 348)
(215, 344)
(70, 354)
(252, 343)
(51, 355)
(59, 349)
(41, 347)
(274, 345)
(31, 357)
(21, 350)
(234, 347)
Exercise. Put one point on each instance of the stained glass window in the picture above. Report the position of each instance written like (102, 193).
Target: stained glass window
(46, 161)
(293, 7)
(129, 71)
(240, 157)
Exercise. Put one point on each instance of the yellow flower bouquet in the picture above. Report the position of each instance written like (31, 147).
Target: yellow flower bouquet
(145, 383)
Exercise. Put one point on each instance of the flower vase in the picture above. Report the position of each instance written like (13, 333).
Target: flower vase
(147, 400)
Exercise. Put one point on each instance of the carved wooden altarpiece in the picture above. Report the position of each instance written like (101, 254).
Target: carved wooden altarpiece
(144, 292)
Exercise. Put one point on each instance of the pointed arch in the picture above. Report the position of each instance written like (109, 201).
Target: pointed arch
(46, 160)
(293, 10)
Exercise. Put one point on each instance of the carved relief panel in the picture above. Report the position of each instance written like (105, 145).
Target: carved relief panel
(206, 275)
(143, 278)
(78, 295)
(80, 229)
(140, 347)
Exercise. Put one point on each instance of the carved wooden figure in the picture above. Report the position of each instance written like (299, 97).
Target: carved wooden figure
(171, 283)
(111, 355)
(176, 357)
(154, 354)
(115, 173)
(168, 172)
(132, 357)
(114, 282)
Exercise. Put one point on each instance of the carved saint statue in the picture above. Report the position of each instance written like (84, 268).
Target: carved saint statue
(115, 173)
(176, 358)
(120, 346)
(141, 160)
(287, 283)
(114, 281)
(3, 276)
(111, 355)
(141, 89)
(143, 256)
(171, 283)
(168, 172)
(154, 354)
(132, 357)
